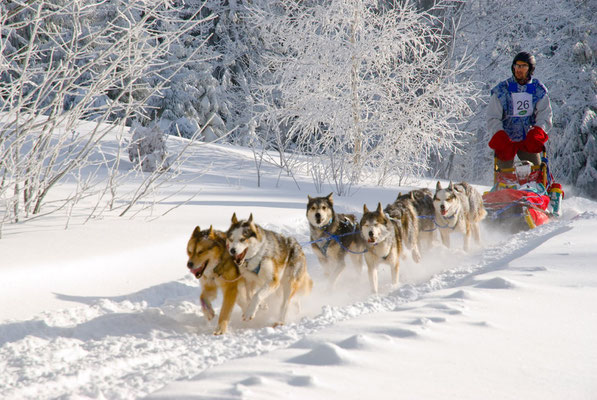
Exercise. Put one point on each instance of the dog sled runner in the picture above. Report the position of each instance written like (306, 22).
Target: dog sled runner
(523, 197)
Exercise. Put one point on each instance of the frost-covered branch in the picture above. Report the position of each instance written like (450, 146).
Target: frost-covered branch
(71, 72)
(368, 87)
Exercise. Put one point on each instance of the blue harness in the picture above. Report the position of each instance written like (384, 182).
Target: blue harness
(336, 238)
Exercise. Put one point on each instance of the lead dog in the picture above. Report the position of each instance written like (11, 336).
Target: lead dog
(459, 207)
(270, 262)
(210, 262)
(333, 236)
(383, 242)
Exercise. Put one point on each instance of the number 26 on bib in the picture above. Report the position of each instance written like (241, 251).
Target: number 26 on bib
(522, 104)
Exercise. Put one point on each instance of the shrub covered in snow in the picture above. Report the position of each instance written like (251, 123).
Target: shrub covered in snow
(148, 148)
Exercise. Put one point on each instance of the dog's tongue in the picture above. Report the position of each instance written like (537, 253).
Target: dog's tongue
(444, 212)
(198, 272)
(240, 257)
(371, 240)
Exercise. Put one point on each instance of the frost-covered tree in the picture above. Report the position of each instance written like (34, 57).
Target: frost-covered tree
(194, 101)
(63, 62)
(358, 84)
(235, 46)
(562, 36)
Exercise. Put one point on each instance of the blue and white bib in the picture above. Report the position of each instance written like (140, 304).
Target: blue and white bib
(518, 103)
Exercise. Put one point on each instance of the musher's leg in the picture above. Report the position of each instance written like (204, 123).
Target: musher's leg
(504, 164)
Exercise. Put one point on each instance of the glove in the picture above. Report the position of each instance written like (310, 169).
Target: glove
(535, 140)
(505, 149)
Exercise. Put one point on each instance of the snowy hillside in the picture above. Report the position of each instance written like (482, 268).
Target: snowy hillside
(107, 309)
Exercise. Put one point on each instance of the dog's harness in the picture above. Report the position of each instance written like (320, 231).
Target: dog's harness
(447, 224)
(324, 248)
(256, 270)
(431, 217)
(336, 238)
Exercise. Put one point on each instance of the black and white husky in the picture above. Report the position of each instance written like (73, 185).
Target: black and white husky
(333, 236)
(459, 207)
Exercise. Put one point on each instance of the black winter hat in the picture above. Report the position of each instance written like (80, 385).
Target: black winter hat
(527, 58)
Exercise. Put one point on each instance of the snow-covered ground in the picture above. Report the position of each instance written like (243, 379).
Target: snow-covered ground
(107, 309)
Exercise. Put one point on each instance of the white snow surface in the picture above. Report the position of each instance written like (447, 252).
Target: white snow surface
(108, 310)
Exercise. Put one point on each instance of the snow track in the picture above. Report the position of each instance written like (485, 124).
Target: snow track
(129, 346)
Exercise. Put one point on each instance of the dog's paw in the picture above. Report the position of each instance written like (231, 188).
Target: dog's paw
(248, 317)
(277, 324)
(220, 330)
(250, 313)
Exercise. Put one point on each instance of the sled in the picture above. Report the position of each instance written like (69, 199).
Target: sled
(523, 197)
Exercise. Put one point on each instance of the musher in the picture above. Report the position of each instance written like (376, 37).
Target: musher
(519, 115)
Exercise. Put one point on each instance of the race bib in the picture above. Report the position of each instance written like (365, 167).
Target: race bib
(522, 104)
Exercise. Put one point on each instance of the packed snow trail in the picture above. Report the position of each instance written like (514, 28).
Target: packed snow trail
(129, 346)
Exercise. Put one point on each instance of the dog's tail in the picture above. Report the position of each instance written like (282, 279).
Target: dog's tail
(477, 208)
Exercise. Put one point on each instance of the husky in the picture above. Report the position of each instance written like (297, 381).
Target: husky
(422, 201)
(383, 240)
(210, 262)
(403, 212)
(333, 236)
(459, 207)
(268, 261)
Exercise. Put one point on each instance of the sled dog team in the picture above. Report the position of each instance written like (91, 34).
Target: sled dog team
(249, 263)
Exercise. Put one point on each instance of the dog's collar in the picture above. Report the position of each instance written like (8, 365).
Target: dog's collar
(256, 270)
(323, 227)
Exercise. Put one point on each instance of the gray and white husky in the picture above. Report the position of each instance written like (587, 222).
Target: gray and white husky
(269, 262)
(459, 207)
(403, 212)
(334, 236)
(383, 241)
(422, 201)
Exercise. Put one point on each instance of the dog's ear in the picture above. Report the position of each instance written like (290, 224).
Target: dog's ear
(197, 232)
(212, 233)
(330, 198)
(438, 186)
(234, 219)
(309, 198)
(253, 228)
(451, 186)
(365, 209)
(379, 209)
(412, 195)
